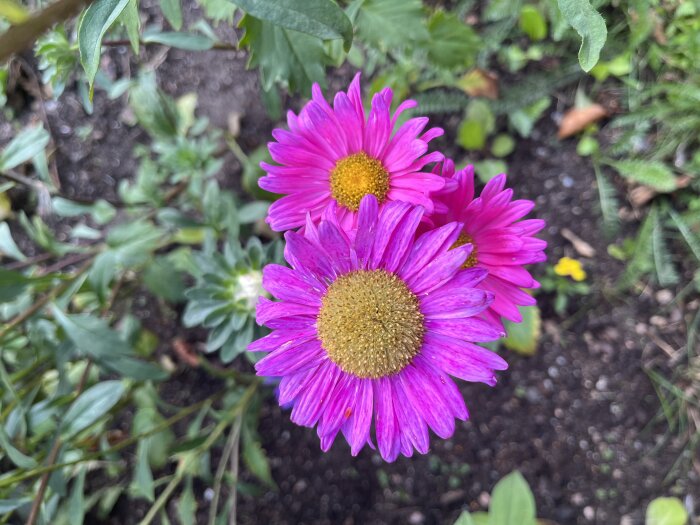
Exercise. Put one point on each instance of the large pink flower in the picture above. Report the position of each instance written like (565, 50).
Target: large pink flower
(340, 154)
(502, 242)
(371, 327)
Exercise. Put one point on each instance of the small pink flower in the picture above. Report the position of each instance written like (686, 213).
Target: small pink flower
(503, 242)
(338, 154)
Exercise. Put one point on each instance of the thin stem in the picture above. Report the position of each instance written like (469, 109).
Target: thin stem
(206, 445)
(231, 444)
(217, 46)
(234, 484)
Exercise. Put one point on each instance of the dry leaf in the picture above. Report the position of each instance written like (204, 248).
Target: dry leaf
(479, 83)
(576, 119)
(582, 247)
(640, 195)
(184, 352)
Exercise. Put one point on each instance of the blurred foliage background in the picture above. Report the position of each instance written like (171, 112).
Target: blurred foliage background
(82, 376)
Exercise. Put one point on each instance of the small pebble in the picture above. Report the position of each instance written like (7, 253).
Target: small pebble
(588, 513)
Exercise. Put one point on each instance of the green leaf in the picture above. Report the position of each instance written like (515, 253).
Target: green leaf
(90, 406)
(76, 503)
(255, 458)
(186, 41)
(9, 505)
(481, 518)
(512, 502)
(94, 23)
(471, 135)
(464, 519)
(17, 457)
(172, 10)
(502, 146)
(162, 278)
(320, 18)
(131, 21)
(26, 145)
(284, 56)
(656, 175)
(253, 211)
(8, 247)
(101, 210)
(523, 337)
(452, 43)
(666, 511)
(389, 23)
(691, 239)
(143, 477)
(524, 119)
(532, 23)
(608, 200)
(187, 504)
(589, 25)
(487, 169)
(93, 337)
(665, 271)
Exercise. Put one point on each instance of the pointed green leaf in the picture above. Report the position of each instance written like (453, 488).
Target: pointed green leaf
(96, 20)
(524, 336)
(589, 25)
(656, 175)
(172, 12)
(90, 406)
(512, 502)
(26, 145)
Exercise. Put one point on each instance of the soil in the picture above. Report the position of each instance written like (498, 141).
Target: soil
(578, 419)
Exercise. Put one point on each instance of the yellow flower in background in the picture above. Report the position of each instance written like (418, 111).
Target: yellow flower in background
(571, 268)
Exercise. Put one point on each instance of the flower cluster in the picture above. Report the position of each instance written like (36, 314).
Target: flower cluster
(395, 273)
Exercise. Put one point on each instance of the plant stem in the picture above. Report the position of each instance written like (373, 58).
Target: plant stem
(231, 444)
(218, 46)
(235, 413)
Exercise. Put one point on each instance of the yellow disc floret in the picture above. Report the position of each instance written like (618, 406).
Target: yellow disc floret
(358, 175)
(463, 239)
(370, 323)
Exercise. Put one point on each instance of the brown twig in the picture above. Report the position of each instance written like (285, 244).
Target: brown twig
(20, 37)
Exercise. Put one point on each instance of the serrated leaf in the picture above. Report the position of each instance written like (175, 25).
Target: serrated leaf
(94, 23)
(523, 337)
(26, 145)
(608, 201)
(390, 23)
(90, 406)
(666, 511)
(172, 10)
(512, 502)
(665, 271)
(691, 239)
(452, 43)
(320, 18)
(656, 175)
(283, 55)
(255, 458)
(589, 25)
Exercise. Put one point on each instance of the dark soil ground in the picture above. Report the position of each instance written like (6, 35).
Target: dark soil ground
(577, 419)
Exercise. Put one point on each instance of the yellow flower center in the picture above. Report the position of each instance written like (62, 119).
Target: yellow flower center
(370, 323)
(358, 175)
(463, 239)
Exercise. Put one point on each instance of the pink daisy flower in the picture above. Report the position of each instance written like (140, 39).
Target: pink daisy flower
(339, 154)
(502, 242)
(370, 329)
